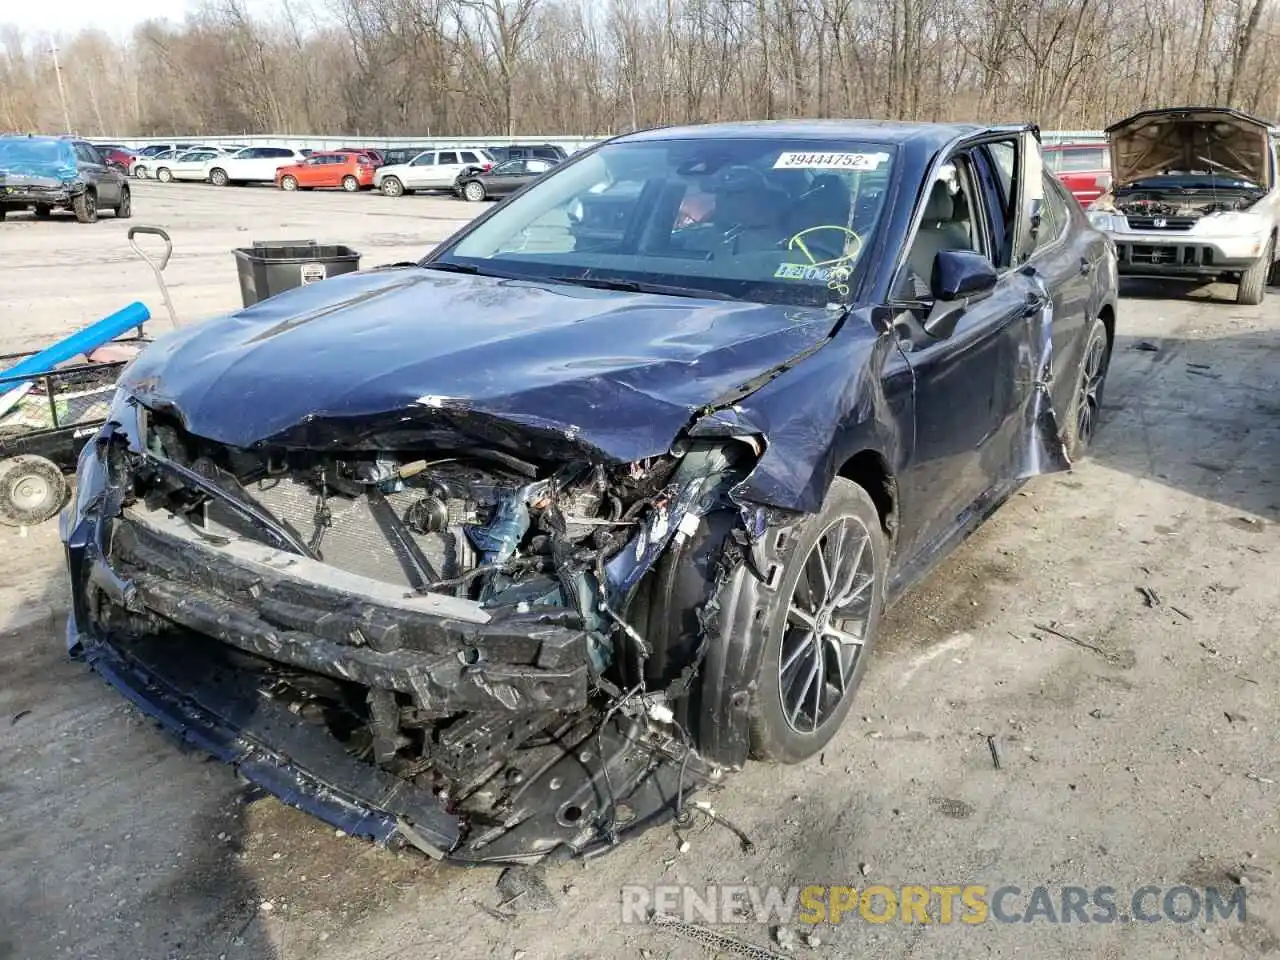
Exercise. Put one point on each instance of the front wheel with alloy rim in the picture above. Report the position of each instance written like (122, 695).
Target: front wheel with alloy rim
(218, 177)
(85, 207)
(1086, 405)
(288, 183)
(124, 209)
(350, 184)
(473, 191)
(392, 187)
(821, 626)
(164, 175)
(32, 490)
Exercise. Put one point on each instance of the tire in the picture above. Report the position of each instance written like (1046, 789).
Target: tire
(350, 184)
(289, 183)
(32, 490)
(1253, 282)
(140, 173)
(43, 211)
(473, 190)
(806, 651)
(218, 177)
(4, 212)
(163, 175)
(392, 187)
(1086, 403)
(124, 210)
(86, 207)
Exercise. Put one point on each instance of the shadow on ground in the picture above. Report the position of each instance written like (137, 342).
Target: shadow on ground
(1200, 414)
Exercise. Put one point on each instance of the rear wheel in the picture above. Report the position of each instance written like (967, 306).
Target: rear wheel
(124, 209)
(218, 177)
(86, 207)
(288, 183)
(1086, 407)
(1253, 282)
(350, 184)
(822, 623)
(32, 490)
(164, 175)
(473, 191)
(392, 187)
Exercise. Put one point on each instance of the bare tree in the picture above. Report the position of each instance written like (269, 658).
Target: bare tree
(503, 67)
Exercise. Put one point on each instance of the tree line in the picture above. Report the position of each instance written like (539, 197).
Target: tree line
(590, 67)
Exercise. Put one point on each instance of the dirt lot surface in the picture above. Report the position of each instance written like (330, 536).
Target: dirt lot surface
(1139, 740)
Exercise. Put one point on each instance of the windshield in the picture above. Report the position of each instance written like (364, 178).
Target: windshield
(26, 151)
(779, 221)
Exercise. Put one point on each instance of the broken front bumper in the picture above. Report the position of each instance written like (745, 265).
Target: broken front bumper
(217, 613)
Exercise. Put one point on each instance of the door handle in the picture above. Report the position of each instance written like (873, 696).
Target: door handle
(1086, 267)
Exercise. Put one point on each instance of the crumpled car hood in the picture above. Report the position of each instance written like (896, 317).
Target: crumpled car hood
(344, 362)
(1216, 139)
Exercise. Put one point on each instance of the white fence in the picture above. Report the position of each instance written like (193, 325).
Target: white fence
(570, 144)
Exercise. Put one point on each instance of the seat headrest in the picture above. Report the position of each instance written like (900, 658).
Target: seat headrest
(939, 206)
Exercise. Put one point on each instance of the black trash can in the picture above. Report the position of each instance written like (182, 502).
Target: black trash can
(268, 268)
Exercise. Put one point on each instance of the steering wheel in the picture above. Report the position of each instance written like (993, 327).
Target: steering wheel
(832, 254)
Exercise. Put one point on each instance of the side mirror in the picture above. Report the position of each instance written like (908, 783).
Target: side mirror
(959, 278)
(958, 274)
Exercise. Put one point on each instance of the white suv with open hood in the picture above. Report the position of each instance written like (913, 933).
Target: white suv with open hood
(1194, 194)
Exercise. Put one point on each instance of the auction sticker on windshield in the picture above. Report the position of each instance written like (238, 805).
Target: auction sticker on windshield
(801, 271)
(830, 161)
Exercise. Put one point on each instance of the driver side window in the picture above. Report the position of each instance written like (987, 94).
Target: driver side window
(951, 221)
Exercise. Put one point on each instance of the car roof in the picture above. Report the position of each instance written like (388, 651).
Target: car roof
(935, 135)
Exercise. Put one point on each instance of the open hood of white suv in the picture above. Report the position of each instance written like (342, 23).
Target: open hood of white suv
(1191, 140)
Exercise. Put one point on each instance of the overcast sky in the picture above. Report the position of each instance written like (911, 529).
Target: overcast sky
(116, 17)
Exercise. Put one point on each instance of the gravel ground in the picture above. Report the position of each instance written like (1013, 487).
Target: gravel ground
(1138, 740)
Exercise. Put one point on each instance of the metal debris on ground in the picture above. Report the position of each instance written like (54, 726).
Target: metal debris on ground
(1182, 613)
(1076, 640)
(785, 938)
(1149, 596)
(997, 751)
(18, 716)
(524, 890)
(496, 914)
(712, 939)
(1146, 346)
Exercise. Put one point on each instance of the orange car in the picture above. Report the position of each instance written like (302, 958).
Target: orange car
(350, 171)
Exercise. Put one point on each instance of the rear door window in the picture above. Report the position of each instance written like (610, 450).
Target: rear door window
(449, 157)
(469, 157)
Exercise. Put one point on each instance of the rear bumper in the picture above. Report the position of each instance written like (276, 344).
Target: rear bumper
(27, 196)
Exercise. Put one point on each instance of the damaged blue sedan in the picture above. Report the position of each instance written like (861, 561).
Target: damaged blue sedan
(505, 553)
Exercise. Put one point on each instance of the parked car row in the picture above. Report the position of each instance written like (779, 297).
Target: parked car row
(471, 173)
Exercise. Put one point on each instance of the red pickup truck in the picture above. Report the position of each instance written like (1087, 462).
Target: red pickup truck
(1083, 168)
